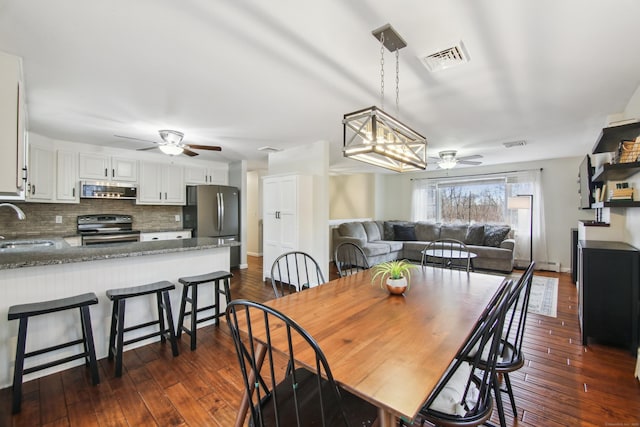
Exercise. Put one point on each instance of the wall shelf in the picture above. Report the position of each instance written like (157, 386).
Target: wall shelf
(611, 136)
(615, 172)
(616, 204)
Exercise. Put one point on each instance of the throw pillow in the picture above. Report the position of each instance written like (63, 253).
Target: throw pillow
(388, 233)
(475, 235)
(495, 234)
(404, 232)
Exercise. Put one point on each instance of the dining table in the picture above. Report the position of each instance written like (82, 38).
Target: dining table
(390, 350)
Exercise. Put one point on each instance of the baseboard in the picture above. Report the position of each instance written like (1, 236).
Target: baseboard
(254, 253)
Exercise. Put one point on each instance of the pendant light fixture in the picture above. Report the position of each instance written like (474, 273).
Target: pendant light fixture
(375, 137)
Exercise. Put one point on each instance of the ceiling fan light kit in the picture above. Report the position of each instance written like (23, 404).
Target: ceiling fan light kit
(172, 150)
(375, 137)
(447, 159)
(172, 144)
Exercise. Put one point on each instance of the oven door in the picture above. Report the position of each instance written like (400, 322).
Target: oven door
(99, 239)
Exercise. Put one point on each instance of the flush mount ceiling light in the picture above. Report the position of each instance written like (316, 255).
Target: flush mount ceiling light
(447, 159)
(373, 136)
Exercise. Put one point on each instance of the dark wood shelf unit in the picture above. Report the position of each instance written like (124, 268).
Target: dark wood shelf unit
(611, 136)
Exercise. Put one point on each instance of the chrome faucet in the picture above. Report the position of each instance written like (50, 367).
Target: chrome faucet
(21, 214)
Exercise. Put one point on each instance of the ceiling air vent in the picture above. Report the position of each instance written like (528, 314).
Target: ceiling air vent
(269, 149)
(512, 144)
(446, 58)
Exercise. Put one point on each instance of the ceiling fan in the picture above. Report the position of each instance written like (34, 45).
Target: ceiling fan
(172, 144)
(447, 159)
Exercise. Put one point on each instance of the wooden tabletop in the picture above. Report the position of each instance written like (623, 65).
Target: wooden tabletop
(391, 350)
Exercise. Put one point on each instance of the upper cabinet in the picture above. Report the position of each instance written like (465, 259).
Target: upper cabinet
(101, 167)
(161, 184)
(12, 129)
(40, 185)
(67, 176)
(206, 175)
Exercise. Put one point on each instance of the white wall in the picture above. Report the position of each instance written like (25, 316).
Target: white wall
(254, 213)
(238, 178)
(560, 187)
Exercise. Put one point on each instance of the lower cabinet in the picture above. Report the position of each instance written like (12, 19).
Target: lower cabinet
(165, 235)
(609, 286)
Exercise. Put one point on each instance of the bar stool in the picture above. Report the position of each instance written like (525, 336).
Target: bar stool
(192, 283)
(118, 329)
(24, 311)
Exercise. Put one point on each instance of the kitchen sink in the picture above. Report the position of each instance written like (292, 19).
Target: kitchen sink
(25, 244)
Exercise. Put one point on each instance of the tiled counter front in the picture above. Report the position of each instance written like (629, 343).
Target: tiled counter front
(78, 270)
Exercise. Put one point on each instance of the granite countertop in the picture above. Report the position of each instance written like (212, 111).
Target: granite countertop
(63, 253)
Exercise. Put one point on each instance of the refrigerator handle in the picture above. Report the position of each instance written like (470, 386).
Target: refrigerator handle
(222, 211)
(219, 211)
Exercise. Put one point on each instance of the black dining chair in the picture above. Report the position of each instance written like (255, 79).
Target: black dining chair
(447, 253)
(349, 259)
(510, 357)
(283, 397)
(293, 272)
(463, 395)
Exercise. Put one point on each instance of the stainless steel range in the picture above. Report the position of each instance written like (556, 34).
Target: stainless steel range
(106, 228)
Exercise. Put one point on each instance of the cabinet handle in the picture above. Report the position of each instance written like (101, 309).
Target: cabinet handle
(33, 189)
(73, 192)
(178, 237)
(28, 188)
(154, 238)
(106, 172)
(165, 196)
(113, 173)
(160, 197)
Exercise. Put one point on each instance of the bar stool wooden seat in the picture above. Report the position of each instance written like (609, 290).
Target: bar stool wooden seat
(118, 329)
(192, 283)
(24, 311)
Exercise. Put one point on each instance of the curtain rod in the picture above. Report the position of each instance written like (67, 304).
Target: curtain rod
(477, 174)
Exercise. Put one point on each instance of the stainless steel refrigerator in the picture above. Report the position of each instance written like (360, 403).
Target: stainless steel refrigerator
(214, 211)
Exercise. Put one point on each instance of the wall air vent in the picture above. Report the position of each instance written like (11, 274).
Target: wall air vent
(446, 58)
(512, 144)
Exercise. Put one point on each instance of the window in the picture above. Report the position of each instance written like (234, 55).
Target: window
(483, 199)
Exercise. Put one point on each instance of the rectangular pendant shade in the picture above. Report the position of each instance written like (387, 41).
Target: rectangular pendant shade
(373, 136)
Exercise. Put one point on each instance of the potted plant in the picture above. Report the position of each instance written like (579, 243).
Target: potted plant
(395, 275)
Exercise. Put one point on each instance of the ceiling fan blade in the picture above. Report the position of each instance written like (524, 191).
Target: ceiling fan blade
(475, 156)
(468, 162)
(145, 149)
(204, 147)
(135, 139)
(189, 152)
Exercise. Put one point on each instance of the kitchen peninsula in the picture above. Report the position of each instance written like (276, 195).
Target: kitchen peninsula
(61, 271)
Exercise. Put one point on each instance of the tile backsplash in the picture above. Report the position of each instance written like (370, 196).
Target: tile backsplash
(41, 217)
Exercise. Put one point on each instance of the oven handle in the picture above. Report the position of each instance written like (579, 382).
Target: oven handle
(95, 240)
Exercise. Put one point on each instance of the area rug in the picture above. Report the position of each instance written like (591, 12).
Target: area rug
(544, 295)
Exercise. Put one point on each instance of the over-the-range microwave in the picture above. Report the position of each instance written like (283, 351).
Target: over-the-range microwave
(107, 190)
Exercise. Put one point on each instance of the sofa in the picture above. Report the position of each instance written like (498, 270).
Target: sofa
(389, 240)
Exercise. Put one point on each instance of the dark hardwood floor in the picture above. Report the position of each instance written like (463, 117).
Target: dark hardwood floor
(561, 384)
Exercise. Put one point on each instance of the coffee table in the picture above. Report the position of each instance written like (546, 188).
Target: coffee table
(448, 255)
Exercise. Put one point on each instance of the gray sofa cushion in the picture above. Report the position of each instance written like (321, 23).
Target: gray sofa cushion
(475, 234)
(453, 231)
(388, 228)
(374, 249)
(427, 231)
(353, 229)
(495, 234)
(372, 230)
(404, 232)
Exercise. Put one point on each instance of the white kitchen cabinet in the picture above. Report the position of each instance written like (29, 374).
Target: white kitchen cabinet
(106, 168)
(165, 235)
(287, 217)
(205, 175)
(40, 185)
(12, 129)
(161, 184)
(67, 176)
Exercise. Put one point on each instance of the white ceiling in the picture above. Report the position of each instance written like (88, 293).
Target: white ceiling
(247, 74)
